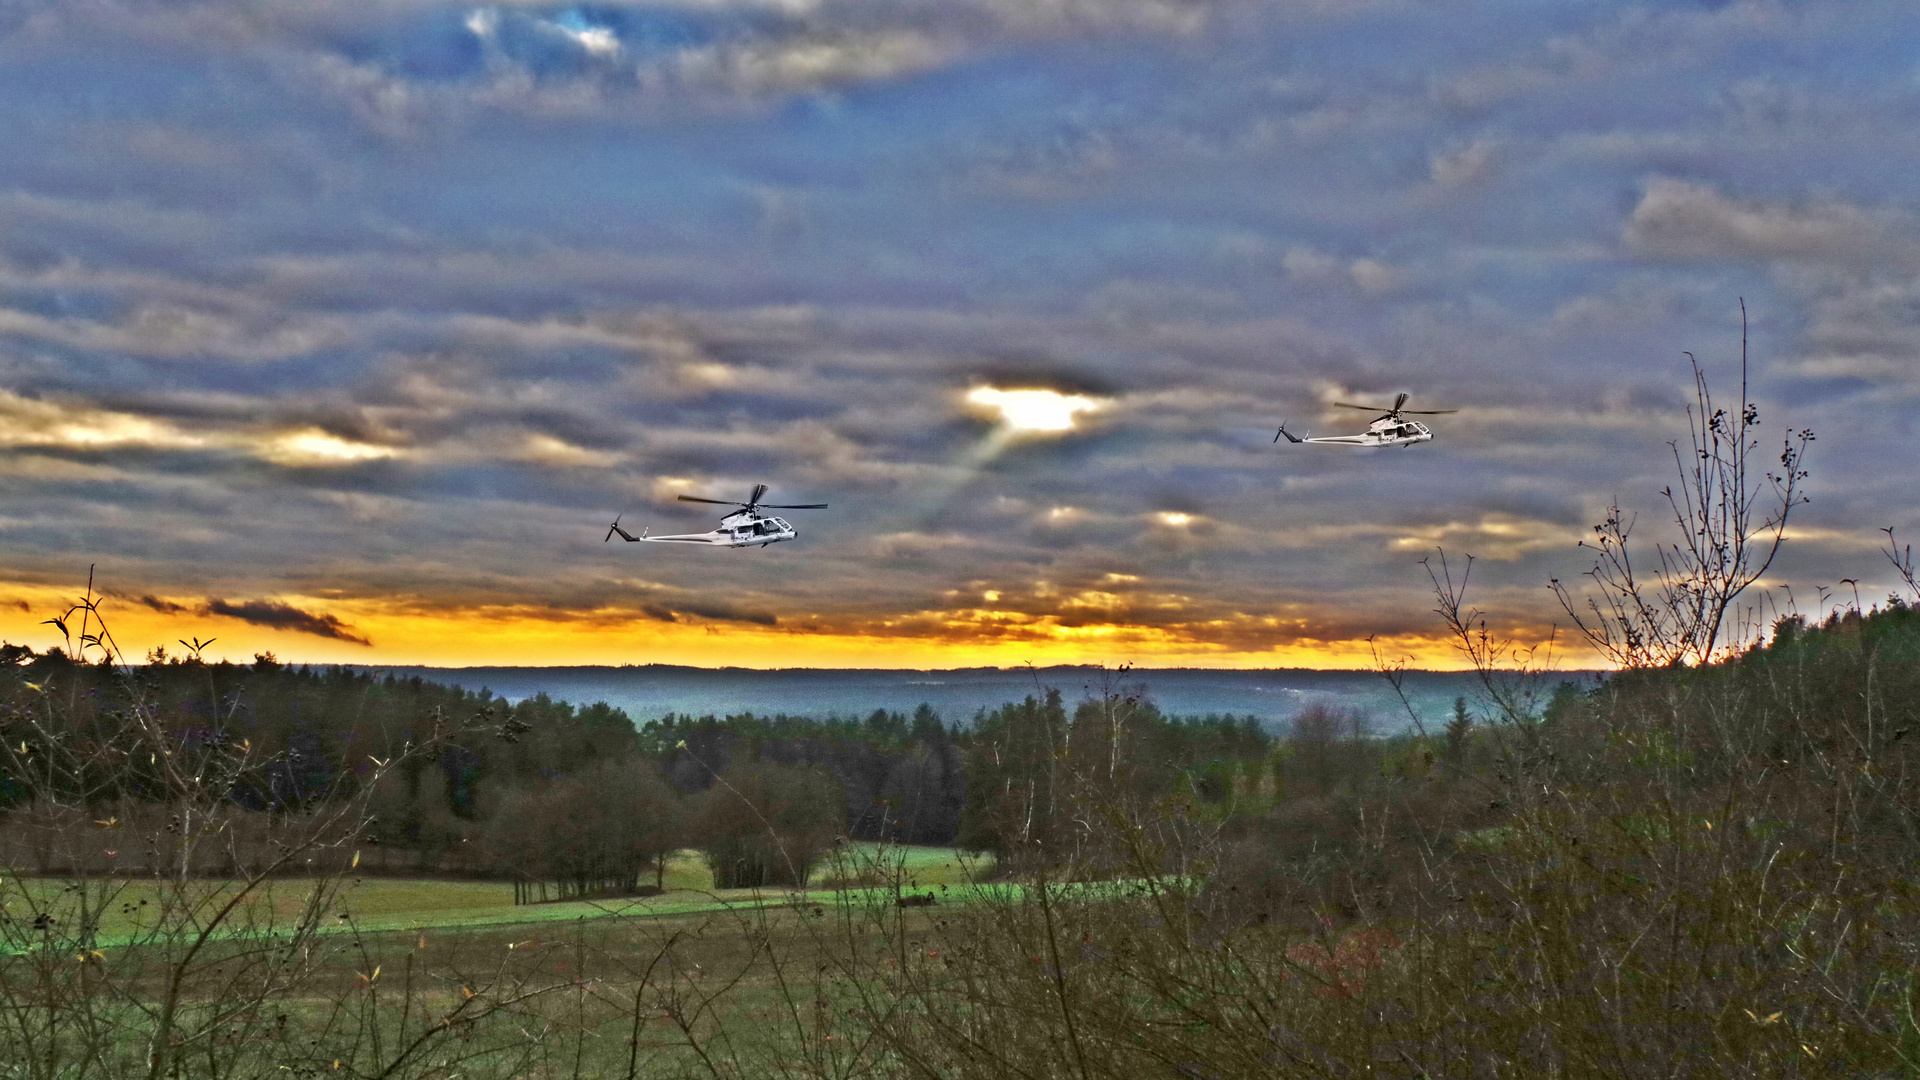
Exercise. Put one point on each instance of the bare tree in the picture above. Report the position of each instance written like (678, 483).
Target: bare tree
(1512, 674)
(183, 920)
(1902, 559)
(1679, 609)
(591, 833)
(766, 825)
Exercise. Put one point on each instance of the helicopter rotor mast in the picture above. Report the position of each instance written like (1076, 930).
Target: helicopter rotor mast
(1397, 410)
(753, 502)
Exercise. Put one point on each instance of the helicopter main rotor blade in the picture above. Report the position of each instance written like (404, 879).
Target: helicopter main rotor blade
(758, 490)
(795, 506)
(1428, 412)
(716, 502)
(1399, 401)
(1363, 408)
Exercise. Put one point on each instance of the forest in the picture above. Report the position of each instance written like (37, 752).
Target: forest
(605, 798)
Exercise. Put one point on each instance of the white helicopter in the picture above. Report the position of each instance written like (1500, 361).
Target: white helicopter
(1391, 428)
(744, 527)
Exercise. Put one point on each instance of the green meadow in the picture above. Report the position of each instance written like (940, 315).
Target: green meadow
(369, 904)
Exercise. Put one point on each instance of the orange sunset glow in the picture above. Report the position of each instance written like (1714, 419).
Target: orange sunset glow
(502, 635)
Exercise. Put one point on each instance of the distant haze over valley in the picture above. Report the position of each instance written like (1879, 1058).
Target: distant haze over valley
(650, 691)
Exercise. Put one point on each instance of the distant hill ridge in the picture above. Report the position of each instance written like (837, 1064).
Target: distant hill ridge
(1274, 695)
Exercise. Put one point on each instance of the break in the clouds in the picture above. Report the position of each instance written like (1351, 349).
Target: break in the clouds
(376, 314)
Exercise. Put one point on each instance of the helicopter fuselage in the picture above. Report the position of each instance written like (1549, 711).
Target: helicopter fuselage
(1382, 432)
(745, 527)
(739, 529)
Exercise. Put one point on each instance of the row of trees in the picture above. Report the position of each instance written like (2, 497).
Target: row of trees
(322, 726)
(610, 829)
(763, 798)
(577, 800)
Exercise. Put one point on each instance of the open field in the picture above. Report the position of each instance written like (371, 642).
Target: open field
(668, 985)
(664, 987)
(379, 904)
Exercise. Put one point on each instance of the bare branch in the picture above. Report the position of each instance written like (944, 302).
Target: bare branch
(1687, 608)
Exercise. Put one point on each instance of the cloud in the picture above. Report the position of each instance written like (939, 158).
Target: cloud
(164, 607)
(404, 69)
(29, 422)
(597, 41)
(1307, 267)
(670, 611)
(1462, 166)
(1863, 333)
(175, 331)
(1679, 220)
(807, 63)
(1060, 165)
(79, 428)
(1177, 17)
(1624, 42)
(314, 447)
(276, 615)
(1501, 537)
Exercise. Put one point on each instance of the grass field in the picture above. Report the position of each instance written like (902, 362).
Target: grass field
(653, 986)
(379, 904)
(694, 981)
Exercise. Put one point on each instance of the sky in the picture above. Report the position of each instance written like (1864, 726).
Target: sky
(343, 329)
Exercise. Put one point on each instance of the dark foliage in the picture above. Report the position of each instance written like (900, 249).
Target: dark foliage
(766, 824)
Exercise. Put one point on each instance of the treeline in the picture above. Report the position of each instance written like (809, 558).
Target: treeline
(315, 736)
(321, 726)
(580, 799)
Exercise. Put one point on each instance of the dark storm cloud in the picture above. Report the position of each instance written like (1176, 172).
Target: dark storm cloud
(724, 611)
(279, 616)
(268, 613)
(164, 607)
